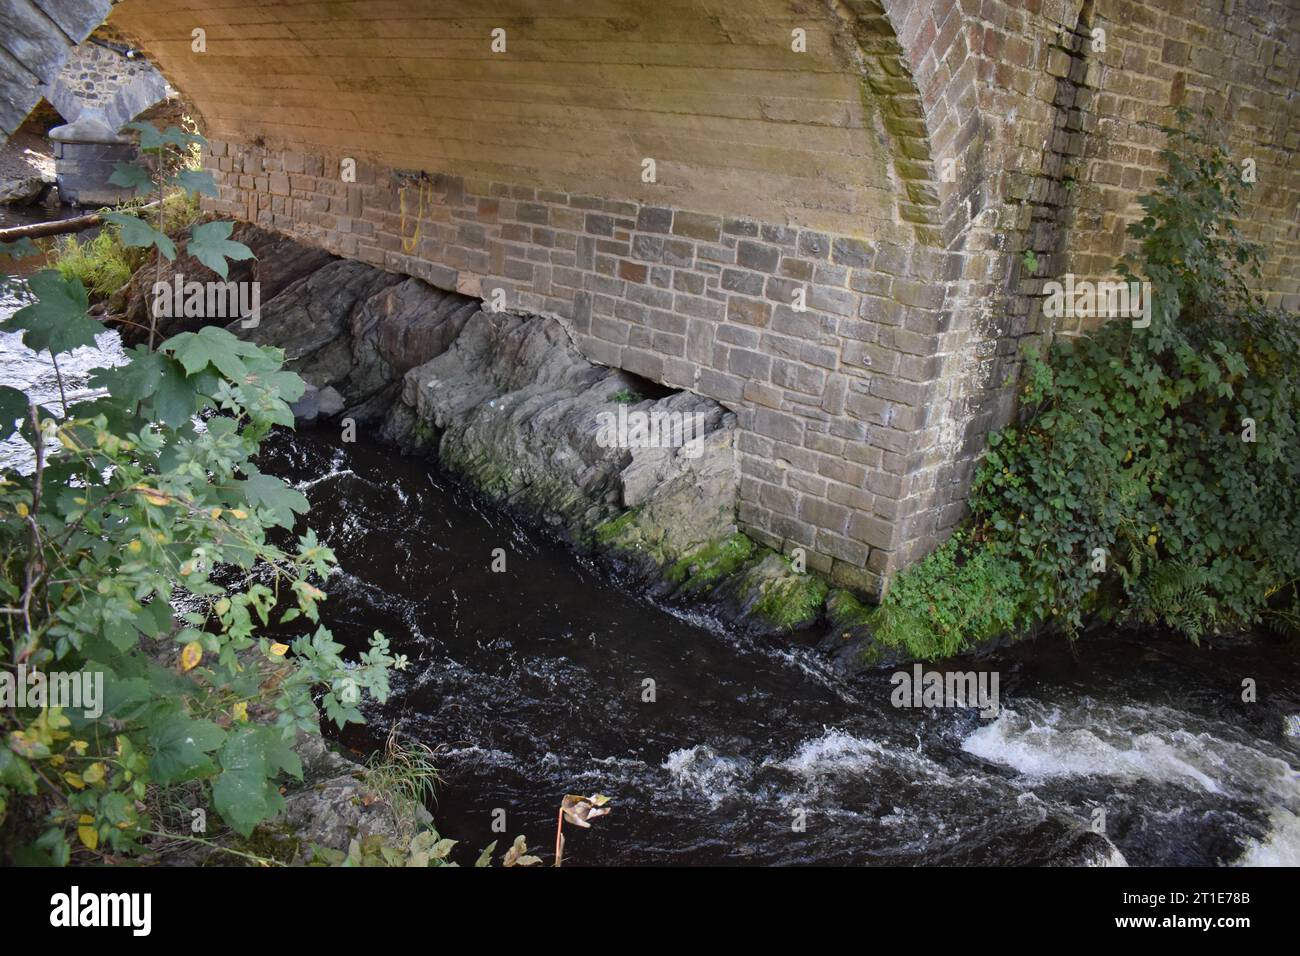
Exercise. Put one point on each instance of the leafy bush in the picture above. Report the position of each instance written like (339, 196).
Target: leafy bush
(1153, 474)
(960, 595)
(142, 546)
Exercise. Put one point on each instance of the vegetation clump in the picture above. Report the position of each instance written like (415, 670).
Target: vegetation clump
(143, 552)
(792, 602)
(1154, 474)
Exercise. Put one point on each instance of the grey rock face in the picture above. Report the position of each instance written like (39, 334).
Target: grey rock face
(20, 192)
(402, 326)
(279, 262)
(520, 412)
(310, 318)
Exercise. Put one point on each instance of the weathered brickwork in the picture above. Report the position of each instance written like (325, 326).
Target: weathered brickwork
(1041, 107)
(829, 395)
(896, 173)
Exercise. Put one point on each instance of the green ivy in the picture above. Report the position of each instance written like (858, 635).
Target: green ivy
(1128, 489)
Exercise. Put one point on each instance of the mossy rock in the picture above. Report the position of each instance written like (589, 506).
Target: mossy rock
(618, 531)
(783, 600)
(705, 569)
(845, 612)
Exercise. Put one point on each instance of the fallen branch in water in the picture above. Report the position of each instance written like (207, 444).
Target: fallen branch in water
(60, 226)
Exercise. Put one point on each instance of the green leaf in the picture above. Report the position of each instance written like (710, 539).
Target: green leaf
(196, 181)
(135, 232)
(174, 402)
(267, 491)
(210, 243)
(151, 139)
(213, 345)
(245, 794)
(181, 746)
(57, 320)
(280, 755)
(131, 176)
(13, 406)
(123, 698)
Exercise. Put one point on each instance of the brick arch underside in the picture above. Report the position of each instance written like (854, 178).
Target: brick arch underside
(737, 122)
(778, 173)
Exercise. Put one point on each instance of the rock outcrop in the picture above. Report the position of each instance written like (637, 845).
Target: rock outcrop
(639, 474)
(279, 262)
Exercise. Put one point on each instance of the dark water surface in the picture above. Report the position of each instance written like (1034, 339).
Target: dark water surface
(529, 682)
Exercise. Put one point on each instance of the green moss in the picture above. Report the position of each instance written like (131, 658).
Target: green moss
(615, 530)
(271, 841)
(845, 611)
(703, 569)
(791, 603)
(423, 434)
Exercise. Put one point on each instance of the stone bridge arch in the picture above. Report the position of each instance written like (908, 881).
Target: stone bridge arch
(787, 257)
(100, 79)
(894, 173)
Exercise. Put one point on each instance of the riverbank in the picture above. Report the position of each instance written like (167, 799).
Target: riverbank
(530, 683)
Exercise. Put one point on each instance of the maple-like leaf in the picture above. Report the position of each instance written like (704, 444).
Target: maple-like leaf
(57, 320)
(211, 244)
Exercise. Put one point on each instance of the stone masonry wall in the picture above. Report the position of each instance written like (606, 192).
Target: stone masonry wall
(98, 80)
(828, 397)
(897, 172)
(1050, 153)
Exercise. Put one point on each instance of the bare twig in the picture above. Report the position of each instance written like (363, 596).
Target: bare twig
(59, 227)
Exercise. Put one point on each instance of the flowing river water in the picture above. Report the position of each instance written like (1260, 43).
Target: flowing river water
(529, 682)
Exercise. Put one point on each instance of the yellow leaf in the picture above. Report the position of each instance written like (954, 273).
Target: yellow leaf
(94, 773)
(152, 495)
(517, 854)
(87, 832)
(241, 711)
(135, 546)
(191, 655)
(222, 606)
(74, 781)
(279, 650)
(238, 513)
(21, 509)
(1151, 540)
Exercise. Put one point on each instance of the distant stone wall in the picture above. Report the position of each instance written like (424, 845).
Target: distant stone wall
(101, 81)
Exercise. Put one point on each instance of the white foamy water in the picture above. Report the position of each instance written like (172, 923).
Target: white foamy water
(33, 372)
(1153, 745)
(703, 770)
